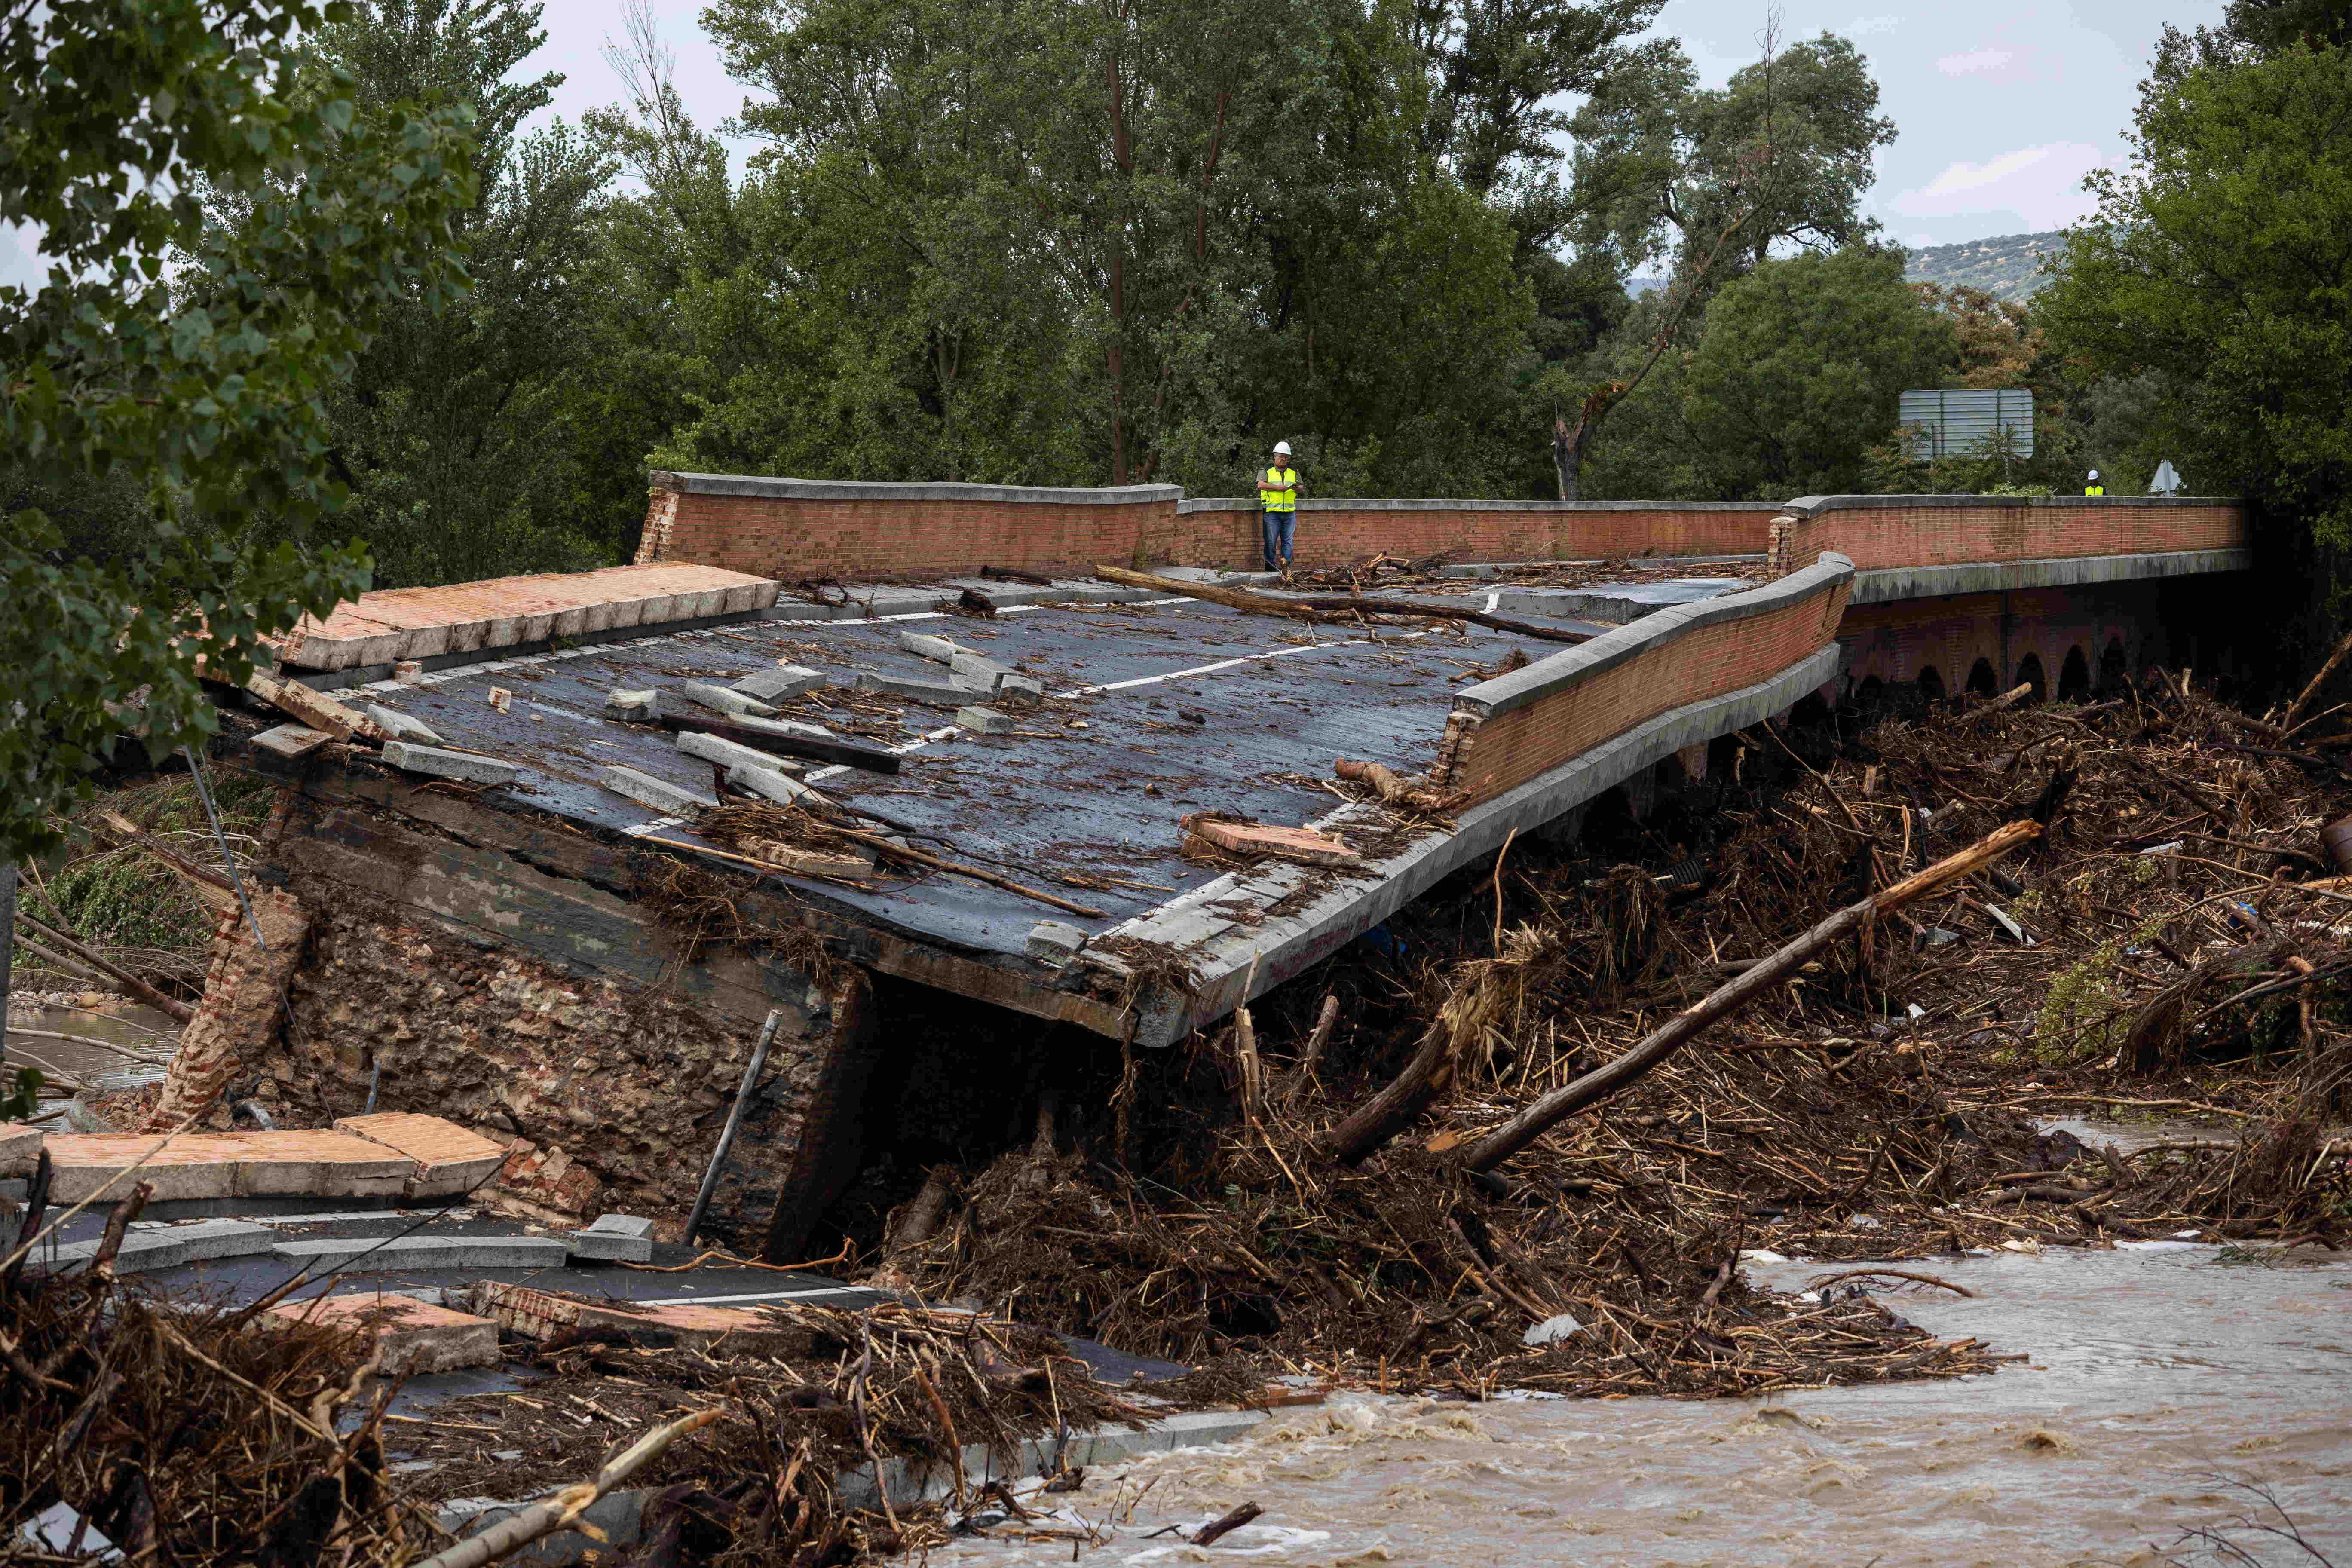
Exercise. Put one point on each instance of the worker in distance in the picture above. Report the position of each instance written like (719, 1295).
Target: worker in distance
(1278, 500)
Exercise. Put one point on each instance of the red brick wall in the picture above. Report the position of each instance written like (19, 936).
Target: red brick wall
(1898, 534)
(794, 538)
(1487, 758)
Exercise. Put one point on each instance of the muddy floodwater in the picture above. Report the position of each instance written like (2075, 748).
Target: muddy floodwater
(2161, 1372)
(110, 1049)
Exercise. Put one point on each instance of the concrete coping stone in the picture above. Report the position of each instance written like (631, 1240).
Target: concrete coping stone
(427, 1251)
(984, 720)
(659, 793)
(291, 742)
(466, 766)
(780, 683)
(1383, 503)
(781, 488)
(1573, 666)
(725, 700)
(767, 781)
(1814, 506)
(147, 1250)
(729, 753)
(402, 726)
(937, 693)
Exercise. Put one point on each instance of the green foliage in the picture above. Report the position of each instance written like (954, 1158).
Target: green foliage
(206, 391)
(2220, 264)
(457, 429)
(1795, 373)
(22, 1099)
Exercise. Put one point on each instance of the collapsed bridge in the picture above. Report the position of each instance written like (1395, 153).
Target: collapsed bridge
(512, 903)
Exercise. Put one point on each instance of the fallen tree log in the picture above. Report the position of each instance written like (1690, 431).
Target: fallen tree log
(170, 1006)
(1758, 980)
(1309, 610)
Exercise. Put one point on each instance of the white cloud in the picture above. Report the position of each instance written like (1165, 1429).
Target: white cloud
(1996, 63)
(21, 262)
(2041, 184)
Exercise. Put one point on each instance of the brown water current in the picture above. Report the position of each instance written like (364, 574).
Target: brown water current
(2162, 1375)
(109, 1048)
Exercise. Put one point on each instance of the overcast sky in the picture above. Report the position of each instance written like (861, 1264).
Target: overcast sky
(2001, 106)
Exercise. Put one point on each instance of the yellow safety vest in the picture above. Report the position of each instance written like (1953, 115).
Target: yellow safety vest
(2094, 490)
(1285, 498)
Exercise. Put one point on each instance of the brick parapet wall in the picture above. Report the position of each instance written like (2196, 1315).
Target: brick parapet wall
(1506, 732)
(793, 529)
(1878, 533)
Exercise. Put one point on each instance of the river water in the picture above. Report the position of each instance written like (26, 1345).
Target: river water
(117, 1046)
(2161, 1374)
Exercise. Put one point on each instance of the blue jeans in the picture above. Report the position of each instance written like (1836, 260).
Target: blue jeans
(1279, 525)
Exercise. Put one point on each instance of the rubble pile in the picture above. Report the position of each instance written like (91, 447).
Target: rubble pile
(2164, 947)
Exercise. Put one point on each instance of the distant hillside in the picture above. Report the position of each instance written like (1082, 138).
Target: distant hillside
(2008, 267)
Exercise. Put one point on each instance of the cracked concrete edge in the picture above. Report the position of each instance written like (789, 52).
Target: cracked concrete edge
(620, 1515)
(1283, 946)
(1551, 676)
(1886, 584)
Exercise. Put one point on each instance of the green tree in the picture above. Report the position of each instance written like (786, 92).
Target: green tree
(212, 403)
(457, 429)
(2220, 262)
(1795, 373)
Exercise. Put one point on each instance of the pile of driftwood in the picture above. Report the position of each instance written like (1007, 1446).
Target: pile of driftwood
(1907, 944)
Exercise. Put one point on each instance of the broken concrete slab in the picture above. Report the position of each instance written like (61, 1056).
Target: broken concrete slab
(770, 783)
(1052, 941)
(617, 1238)
(725, 700)
(1020, 689)
(314, 709)
(941, 650)
(448, 1159)
(291, 742)
(984, 720)
(783, 683)
(727, 753)
(631, 707)
(935, 693)
(467, 767)
(425, 1250)
(659, 793)
(400, 726)
(20, 1146)
(225, 1165)
(537, 1314)
(983, 674)
(151, 1248)
(1303, 845)
(407, 1337)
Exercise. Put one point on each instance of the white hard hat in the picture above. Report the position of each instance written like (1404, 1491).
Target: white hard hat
(1282, 448)
(2095, 473)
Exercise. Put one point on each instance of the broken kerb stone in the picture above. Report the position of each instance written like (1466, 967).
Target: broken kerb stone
(393, 1253)
(723, 699)
(985, 674)
(148, 1250)
(943, 649)
(465, 766)
(291, 742)
(928, 691)
(615, 1239)
(630, 707)
(769, 785)
(729, 753)
(783, 683)
(659, 793)
(1052, 942)
(984, 720)
(401, 727)
(1021, 688)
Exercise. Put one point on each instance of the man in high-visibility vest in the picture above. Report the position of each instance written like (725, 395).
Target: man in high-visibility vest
(1277, 496)
(2095, 488)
